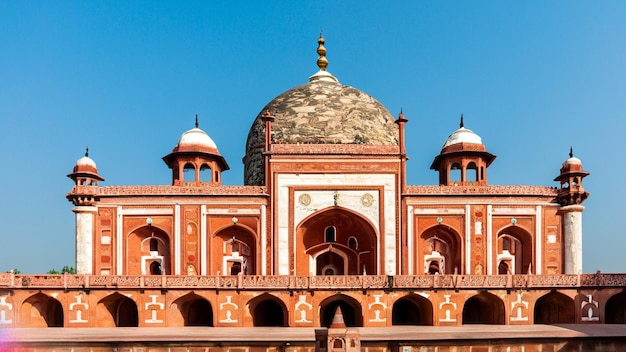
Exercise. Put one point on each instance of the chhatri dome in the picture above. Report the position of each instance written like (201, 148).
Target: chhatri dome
(462, 135)
(321, 111)
(196, 140)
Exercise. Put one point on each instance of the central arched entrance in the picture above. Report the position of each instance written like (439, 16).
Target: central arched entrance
(336, 241)
(350, 309)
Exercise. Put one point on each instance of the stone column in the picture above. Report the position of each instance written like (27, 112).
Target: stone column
(84, 238)
(572, 239)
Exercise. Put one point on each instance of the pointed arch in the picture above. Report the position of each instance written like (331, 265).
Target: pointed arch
(117, 310)
(268, 310)
(195, 310)
(412, 309)
(514, 250)
(41, 310)
(441, 251)
(555, 308)
(234, 249)
(189, 173)
(615, 311)
(148, 251)
(484, 308)
(349, 235)
(350, 307)
(206, 173)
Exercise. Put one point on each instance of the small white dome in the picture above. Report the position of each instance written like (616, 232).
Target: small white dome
(572, 161)
(85, 161)
(196, 136)
(462, 135)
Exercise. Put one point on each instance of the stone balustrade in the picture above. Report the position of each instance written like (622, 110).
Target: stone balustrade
(343, 282)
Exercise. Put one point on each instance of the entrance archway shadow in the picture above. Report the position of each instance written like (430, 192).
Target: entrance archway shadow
(412, 310)
(555, 308)
(350, 308)
(484, 308)
(268, 310)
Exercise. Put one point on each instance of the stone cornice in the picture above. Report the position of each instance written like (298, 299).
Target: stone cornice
(169, 190)
(483, 190)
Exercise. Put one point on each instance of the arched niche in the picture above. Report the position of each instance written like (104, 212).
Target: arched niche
(440, 251)
(555, 308)
(484, 308)
(195, 310)
(514, 250)
(148, 252)
(234, 251)
(412, 309)
(268, 310)
(350, 308)
(615, 311)
(41, 310)
(351, 250)
(117, 310)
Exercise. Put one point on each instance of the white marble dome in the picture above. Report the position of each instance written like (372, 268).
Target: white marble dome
(462, 135)
(196, 137)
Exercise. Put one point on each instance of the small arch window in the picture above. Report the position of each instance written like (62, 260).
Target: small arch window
(205, 173)
(189, 173)
(155, 268)
(330, 234)
(353, 243)
(154, 245)
(455, 172)
(472, 172)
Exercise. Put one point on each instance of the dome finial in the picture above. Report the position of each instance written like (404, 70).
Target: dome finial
(197, 121)
(571, 152)
(87, 152)
(461, 124)
(322, 62)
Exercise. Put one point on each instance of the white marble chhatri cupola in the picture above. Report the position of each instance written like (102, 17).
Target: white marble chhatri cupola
(195, 160)
(85, 172)
(463, 159)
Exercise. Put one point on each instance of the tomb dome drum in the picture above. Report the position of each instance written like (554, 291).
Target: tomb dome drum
(322, 111)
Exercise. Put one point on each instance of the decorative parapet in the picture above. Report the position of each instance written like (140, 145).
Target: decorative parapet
(342, 282)
(487, 190)
(168, 190)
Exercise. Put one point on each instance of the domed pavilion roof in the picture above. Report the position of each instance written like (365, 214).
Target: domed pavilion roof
(196, 140)
(462, 135)
(322, 111)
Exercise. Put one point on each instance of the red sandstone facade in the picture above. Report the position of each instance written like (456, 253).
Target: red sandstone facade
(325, 220)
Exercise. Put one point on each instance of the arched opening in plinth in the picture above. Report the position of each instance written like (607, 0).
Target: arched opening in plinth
(337, 241)
(41, 310)
(350, 308)
(119, 311)
(484, 308)
(268, 310)
(412, 310)
(195, 310)
(615, 311)
(555, 308)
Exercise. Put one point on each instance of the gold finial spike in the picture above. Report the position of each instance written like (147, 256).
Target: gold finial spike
(197, 121)
(571, 152)
(87, 152)
(461, 124)
(322, 62)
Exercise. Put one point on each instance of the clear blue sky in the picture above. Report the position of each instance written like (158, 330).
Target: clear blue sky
(126, 78)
